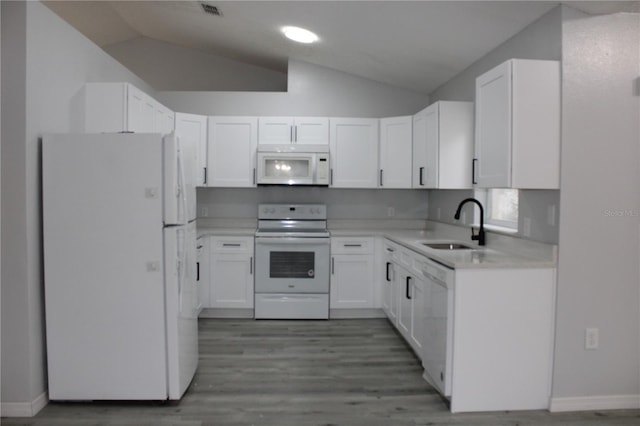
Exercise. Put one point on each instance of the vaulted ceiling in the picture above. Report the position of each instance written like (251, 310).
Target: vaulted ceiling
(417, 45)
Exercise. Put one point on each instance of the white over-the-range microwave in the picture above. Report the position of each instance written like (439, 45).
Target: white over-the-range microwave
(294, 164)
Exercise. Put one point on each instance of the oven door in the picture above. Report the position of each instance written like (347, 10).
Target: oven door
(292, 265)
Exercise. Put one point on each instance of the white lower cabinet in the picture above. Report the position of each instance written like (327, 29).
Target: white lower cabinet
(485, 336)
(231, 270)
(352, 273)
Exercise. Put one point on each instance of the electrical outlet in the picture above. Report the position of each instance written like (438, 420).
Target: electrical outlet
(204, 211)
(591, 338)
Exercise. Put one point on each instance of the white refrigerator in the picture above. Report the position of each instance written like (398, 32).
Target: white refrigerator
(119, 266)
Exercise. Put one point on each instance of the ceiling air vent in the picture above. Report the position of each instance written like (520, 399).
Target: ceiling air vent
(211, 9)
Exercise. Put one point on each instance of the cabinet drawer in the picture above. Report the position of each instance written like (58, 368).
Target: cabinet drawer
(232, 244)
(346, 245)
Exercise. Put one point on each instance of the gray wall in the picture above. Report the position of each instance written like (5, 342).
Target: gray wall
(540, 40)
(312, 90)
(598, 277)
(45, 63)
(169, 67)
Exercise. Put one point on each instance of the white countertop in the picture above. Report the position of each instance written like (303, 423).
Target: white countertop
(478, 257)
(501, 252)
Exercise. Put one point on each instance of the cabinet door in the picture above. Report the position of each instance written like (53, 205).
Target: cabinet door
(192, 130)
(231, 151)
(419, 149)
(403, 291)
(352, 281)
(231, 272)
(164, 119)
(231, 281)
(354, 152)
(493, 128)
(141, 111)
(395, 152)
(311, 130)
(275, 130)
(417, 329)
(425, 147)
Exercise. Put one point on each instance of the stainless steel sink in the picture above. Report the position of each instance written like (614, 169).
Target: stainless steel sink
(448, 246)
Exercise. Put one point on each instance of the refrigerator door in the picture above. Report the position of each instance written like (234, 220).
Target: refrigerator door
(181, 306)
(103, 266)
(175, 202)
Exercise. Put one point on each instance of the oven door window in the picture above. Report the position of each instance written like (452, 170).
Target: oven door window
(287, 168)
(291, 264)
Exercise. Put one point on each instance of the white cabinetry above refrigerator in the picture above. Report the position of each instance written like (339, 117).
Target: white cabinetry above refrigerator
(122, 107)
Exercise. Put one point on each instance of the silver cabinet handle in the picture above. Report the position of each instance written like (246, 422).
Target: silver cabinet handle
(333, 265)
(352, 245)
(231, 244)
(251, 265)
(381, 171)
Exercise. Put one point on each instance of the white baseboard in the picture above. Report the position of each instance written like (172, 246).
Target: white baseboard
(24, 409)
(590, 403)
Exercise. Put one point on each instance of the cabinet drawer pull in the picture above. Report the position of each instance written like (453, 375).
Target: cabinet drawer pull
(205, 175)
(331, 177)
(421, 176)
(390, 250)
(352, 245)
(197, 271)
(381, 172)
(251, 265)
(388, 265)
(408, 285)
(231, 244)
(332, 265)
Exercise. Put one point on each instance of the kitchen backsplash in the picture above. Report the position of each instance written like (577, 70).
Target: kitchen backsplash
(342, 204)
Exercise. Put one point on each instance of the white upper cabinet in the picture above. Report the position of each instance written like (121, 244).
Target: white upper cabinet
(192, 130)
(517, 138)
(297, 130)
(354, 152)
(231, 151)
(122, 107)
(395, 152)
(443, 146)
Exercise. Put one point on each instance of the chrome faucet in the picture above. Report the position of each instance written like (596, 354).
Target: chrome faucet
(481, 235)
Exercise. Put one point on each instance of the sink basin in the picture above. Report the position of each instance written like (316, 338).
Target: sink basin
(448, 246)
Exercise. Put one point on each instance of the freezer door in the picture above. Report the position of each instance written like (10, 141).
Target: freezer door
(175, 201)
(181, 302)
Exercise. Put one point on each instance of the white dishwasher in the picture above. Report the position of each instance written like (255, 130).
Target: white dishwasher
(437, 357)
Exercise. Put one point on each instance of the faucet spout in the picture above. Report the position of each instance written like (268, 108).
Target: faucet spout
(480, 237)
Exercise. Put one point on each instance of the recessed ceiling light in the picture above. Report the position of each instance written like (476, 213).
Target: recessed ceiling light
(299, 34)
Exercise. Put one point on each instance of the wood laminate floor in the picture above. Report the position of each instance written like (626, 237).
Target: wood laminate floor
(304, 373)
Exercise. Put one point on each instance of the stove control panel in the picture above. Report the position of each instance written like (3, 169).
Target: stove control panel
(293, 211)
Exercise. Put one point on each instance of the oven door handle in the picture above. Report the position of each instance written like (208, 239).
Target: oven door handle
(290, 241)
